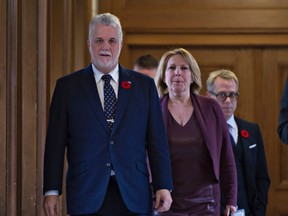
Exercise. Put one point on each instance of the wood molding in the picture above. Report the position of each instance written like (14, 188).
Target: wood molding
(207, 39)
(13, 113)
(43, 98)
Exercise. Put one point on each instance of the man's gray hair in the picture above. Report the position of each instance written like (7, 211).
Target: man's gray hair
(108, 20)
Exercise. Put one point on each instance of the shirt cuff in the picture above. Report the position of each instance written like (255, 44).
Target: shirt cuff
(51, 192)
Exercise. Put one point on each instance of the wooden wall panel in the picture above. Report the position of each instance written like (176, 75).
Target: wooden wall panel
(81, 19)
(274, 74)
(13, 130)
(3, 110)
(36, 37)
(26, 153)
(194, 16)
(206, 39)
(204, 4)
(42, 97)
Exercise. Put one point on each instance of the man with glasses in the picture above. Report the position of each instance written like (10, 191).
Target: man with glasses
(248, 147)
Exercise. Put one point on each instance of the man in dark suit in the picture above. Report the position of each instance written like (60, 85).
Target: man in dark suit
(283, 115)
(248, 147)
(107, 118)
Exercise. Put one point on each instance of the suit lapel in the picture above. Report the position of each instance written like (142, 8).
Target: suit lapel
(241, 140)
(248, 163)
(124, 94)
(201, 122)
(90, 89)
(244, 142)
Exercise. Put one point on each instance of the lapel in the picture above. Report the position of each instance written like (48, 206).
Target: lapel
(124, 95)
(248, 159)
(201, 122)
(90, 89)
(164, 103)
(244, 142)
(164, 106)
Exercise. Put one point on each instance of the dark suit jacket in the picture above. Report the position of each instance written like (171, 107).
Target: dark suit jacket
(77, 124)
(216, 136)
(255, 167)
(283, 115)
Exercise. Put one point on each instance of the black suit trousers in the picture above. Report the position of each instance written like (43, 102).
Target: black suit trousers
(113, 204)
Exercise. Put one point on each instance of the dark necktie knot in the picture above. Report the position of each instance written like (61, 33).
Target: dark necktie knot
(106, 78)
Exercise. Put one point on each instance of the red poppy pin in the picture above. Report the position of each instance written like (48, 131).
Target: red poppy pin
(126, 84)
(244, 133)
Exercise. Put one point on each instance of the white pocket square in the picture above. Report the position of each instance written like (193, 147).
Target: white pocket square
(252, 146)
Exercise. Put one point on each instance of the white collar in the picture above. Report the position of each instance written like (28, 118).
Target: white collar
(231, 121)
(114, 73)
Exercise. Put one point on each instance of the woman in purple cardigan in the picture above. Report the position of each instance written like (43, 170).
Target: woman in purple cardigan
(201, 153)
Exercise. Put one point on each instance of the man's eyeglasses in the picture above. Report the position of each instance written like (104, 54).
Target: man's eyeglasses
(222, 96)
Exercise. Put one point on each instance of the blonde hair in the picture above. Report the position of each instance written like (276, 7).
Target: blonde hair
(195, 86)
(222, 73)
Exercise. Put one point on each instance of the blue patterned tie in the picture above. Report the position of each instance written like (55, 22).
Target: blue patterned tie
(109, 100)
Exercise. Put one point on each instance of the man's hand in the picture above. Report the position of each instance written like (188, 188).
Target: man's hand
(163, 200)
(51, 205)
(230, 210)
